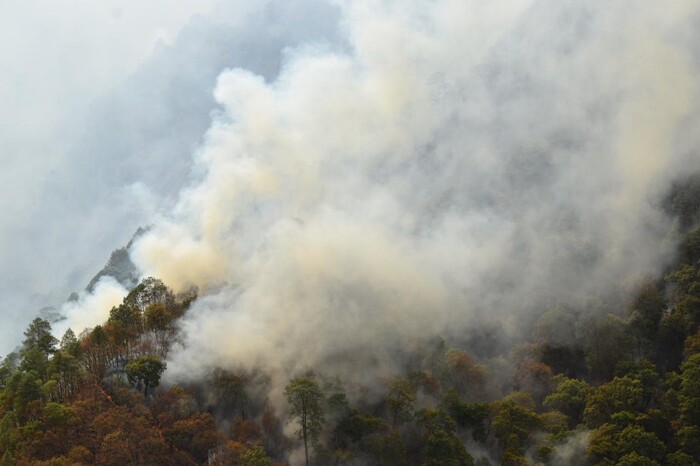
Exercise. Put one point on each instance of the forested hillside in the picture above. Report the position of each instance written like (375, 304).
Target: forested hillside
(601, 384)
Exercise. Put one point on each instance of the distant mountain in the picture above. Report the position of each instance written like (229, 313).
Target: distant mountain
(120, 266)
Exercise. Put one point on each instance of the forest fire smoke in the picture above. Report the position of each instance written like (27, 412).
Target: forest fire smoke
(456, 161)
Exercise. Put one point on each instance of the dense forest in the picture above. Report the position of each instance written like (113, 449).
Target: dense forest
(602, 384)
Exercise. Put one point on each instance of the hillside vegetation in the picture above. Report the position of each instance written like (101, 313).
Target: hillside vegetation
(603, 384)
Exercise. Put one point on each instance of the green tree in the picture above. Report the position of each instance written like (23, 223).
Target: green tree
(569, 397)
(620, 394)
(124, 323)
(606, 343)
(306, 408)
(69, 343)
(689, 394)
(643, 316)
(613, 441)
(471, 416)
(256, 456)
(679, 458)
(635, 459)
(229, 390)
(150, 291)
(442, 446)
(38, 335)
(400, 400)
(145, 370)
(9, 365)
(7, 459)
(514, 421)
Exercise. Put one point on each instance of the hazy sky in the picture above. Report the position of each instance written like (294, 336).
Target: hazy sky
(356, 174)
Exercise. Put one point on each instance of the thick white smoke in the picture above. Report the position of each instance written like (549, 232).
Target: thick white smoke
(460, 159)
(101, 106)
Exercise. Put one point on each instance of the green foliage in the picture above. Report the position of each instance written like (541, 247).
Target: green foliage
(229, 389)
(8, 434)
(146, 371)
(555, 327)
(679, 458)
(684, 201)
(386, 450)
(400, 400)
(690, 248)
(442, 447)
(635, 459)
(9, 365)
(7, 459)
(606, 342)
(306, 408)
(150, 291)
(569, 397)
(157, 317)
(355, 426)
(98, 335)
(57, 414)
(644, 316)
(38, 335)
(689, 393)
(613, 442)
(688, 439)
(471, 416)
(125, 323)
(255, 457)
(620, 394)
(513, 423)
(69, 343)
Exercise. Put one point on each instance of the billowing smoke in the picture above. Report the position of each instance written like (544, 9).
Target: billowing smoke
(443, 163)
(101, 107)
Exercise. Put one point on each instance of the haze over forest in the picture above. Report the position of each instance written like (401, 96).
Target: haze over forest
(330, 187)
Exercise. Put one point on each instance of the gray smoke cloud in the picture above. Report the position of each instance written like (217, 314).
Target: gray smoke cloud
(101, 108)
(364, 174)
(450, 162)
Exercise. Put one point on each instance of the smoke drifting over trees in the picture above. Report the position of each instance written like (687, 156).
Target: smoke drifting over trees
(454, 162)
(451, 198)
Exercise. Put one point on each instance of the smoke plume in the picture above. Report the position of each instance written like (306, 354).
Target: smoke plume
(441, 164)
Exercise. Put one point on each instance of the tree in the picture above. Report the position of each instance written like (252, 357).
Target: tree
(38, 335)
(256, 457)
(569, 397)
(620, 438)
(442, 446)
(620, 394)
(513, 421)
(306, 407)
(150, 291)
(689, 394)
(8, 367)
(400, 399)
(229, 390)
(69, 343)
(605, 341)
(145, 370)
(464, 375)
(472, 416)
(124, 324)
(7, 459)
(196, 434)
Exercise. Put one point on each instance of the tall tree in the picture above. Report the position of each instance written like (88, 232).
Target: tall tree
(306, 407)
(38, 335)
(400, 400)
(145, 370)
